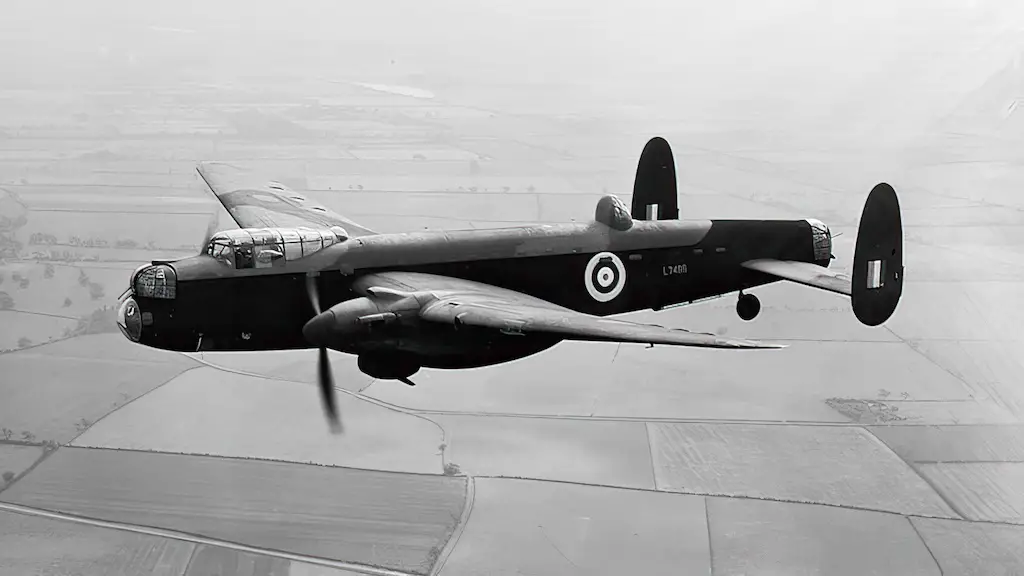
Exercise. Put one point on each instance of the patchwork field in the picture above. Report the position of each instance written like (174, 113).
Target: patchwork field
(595, 452)
(973, 549)
(364, 517)
(213, 412)
(294, 365)
(23, 329)
(37, 545)
(212, 560)
(970, 311)
(934, 444)
(755, 537)
(990, 369)
(823, 464)
(33, 545)
(980, 490)
(16, 459)
(923, 412)
(665, 382)
(53, 392)
(527, 527)
(64, 288)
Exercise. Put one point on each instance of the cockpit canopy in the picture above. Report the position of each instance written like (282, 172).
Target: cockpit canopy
(271, 247)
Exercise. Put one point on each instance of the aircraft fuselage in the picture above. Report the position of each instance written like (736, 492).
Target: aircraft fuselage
(590, 268)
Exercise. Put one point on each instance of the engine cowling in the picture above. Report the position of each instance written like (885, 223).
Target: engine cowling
(351, 318)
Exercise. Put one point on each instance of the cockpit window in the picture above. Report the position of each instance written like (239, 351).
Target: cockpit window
(270, 247)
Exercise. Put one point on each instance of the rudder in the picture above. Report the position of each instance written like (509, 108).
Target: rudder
(877, 281)
(654, 190)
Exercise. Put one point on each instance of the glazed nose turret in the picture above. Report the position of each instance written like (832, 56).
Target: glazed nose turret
(129, 319)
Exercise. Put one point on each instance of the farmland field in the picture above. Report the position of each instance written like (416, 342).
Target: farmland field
(595, 452)
(53, 392)
(33, 545)
(836, 465)
(16, 459)
(755, 537)
(377, 518)
(973, 549)
(252, 417)
(666, 382)
(981, 490)
(527, 527)
(996, 443)
(212, 560)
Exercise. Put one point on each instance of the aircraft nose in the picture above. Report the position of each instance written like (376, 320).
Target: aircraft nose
(319, 328)
(129, 320)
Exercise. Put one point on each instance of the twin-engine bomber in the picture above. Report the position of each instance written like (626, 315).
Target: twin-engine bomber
(298, 275)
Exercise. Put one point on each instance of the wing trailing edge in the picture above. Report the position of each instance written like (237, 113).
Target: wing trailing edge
(574, 326)
(459, 302)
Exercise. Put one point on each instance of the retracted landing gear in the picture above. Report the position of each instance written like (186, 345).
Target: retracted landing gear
(748, 306)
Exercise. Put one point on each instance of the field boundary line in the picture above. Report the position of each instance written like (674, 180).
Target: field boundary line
(196, 539)
(453, 540)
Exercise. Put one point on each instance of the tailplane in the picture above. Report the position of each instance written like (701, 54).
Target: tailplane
(654, 190)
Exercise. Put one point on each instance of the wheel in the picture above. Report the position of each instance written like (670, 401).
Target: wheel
(748, 306)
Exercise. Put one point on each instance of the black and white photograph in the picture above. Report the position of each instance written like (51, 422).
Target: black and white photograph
(496, 287)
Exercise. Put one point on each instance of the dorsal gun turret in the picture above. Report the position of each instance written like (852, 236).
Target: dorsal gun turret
(613, 212)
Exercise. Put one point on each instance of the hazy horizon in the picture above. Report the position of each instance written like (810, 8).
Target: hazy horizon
(836, 68)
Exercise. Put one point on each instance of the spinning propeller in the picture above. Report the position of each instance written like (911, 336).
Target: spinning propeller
(324, 377)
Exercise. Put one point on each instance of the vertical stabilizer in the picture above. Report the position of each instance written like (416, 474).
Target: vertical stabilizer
(654, 190)
(878, 258)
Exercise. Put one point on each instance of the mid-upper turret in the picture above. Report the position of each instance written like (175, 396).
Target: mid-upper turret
(612, 212)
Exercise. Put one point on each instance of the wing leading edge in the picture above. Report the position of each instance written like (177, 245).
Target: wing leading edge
(466, 303)
(255, 202)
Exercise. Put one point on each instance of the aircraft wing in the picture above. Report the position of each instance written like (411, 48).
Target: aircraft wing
(462, 302)
(255, 202)
(803, 273)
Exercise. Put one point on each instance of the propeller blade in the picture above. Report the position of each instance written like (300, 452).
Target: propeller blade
(314, 294)
(211, 229)
(326, 381)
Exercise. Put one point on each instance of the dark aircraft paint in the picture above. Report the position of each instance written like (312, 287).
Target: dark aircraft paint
(655, 183)
(267, 311)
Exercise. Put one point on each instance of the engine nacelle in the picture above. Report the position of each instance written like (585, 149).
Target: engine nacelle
(388, 365)
(347, 315)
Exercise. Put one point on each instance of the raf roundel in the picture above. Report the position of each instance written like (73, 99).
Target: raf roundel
(605, 276)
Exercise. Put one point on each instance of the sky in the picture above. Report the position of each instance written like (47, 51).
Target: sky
(850, 67)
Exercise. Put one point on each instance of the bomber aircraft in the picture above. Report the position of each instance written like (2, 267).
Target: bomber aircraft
(297, 275)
